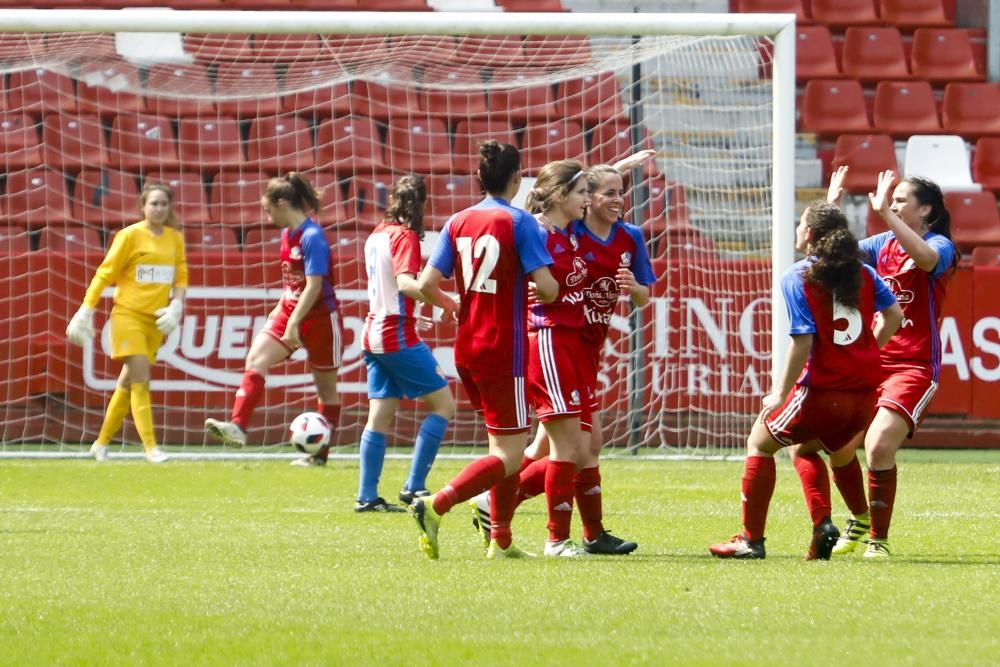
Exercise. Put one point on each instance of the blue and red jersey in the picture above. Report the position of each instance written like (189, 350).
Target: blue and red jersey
(920, 294)
(845, 354)
(391, 250)
(306, 252)
(491, 248)
(569, 270)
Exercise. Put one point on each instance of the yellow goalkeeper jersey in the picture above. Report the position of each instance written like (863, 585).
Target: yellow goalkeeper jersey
(143, 267)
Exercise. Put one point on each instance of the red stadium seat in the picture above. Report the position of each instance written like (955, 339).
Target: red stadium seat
(210, 240)
(19, 143)
(210, 143)
(281, 144)
(874, 54)
(329, 186)
(190, 202)
(943, 56)
(986, 163)
(39, 91)
(347, 246)
(14, 240)
(611, 141)
(368, 197)
(594, 98)
(263, 240)
(73, 142)
(556, 50)
(815, 57)
(844, 13)
(911, 14)
(423, 49)
(686, 243)
(418, 144)
(496, 51)
(470, 133)
(214, 48)
(349, 145)
(176, 90)
(903, 108)
(316, 95)
(71, 238)
(833, 107)
(351, 49)
(866, 155)
(974, 219)
(970, 109)
(289, 48)
(37, 197)
(986, 255)
(383, 102)
(247, 90)
(555, 141)
(527, 104)
(773, 7)
(102, 89)
(447, 195)
(106, 197)
(454, 105)
(142, 142)
(235, 199)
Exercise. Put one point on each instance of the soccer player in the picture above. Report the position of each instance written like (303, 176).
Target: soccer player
(827, 387)
(399, 363)
(492, 248)
(146, 263)
(915, 258)
(305, 316)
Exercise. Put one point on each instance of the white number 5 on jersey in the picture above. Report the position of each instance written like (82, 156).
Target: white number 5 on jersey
(487, 249)
(850, 333)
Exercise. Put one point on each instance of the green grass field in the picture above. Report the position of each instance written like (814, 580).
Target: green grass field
(262, 563)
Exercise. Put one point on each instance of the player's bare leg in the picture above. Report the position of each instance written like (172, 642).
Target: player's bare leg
(886, 434)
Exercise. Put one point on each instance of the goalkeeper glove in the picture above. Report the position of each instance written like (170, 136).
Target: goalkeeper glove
(168, 318)
(81, 327)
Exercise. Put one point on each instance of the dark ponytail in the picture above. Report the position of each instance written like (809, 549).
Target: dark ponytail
(498, 163)
(928, 193)
(406, 203)
(295, 189)
(837, 268)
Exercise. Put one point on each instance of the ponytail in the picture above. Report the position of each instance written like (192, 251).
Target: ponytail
(296, 189)
(837, 268)
(498, 163)
(406, 203)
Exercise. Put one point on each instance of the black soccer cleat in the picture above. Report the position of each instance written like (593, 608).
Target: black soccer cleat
(824, 538)
(608, 545)
(377, 505)
(407, 497)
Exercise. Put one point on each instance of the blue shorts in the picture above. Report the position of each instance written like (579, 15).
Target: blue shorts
(409, 373)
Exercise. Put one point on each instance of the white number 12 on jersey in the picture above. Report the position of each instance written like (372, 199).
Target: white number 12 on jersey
(488, 249)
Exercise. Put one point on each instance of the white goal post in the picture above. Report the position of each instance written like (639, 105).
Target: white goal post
(729, 182)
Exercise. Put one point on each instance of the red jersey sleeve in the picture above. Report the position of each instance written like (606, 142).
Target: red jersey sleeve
(405, 248)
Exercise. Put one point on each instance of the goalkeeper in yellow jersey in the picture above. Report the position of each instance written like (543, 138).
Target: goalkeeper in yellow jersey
(146, 263)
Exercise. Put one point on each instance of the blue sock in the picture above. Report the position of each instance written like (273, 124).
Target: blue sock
(372, 458)
(425, 450)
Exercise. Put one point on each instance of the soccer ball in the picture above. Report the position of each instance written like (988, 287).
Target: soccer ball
(309, 432)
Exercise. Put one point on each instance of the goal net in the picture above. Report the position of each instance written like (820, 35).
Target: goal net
(214, 104)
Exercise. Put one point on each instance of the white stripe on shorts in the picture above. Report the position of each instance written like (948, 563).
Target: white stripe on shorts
(520, 403)
(550, 370)
(791, 410)
(338, 344)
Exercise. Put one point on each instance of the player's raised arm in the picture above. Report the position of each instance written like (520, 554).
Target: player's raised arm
(893, 205)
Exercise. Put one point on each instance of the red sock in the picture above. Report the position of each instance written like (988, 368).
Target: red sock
(503, 501)
(332, 414)
(758, 487)
(588, 499)
(882, 496)
(559, 498)
(851, 485)
(247, 397)
(815, 485)
(481, 474)
(532, 480)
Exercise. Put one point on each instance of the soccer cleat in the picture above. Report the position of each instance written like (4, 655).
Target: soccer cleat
(564, 549)
(229, 433)
(407, 497)
(494, 552)
(607, 544)
(309, 461)
(740, 547)
(855, 533)
(156, 455)
(99, 452)
(377, 505)
(878, 550)
(428, 523)
(825, 536)
(481, 518)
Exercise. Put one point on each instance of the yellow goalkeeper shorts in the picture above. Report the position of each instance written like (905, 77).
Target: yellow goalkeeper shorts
(133, 334)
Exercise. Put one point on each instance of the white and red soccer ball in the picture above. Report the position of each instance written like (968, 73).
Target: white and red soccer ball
(309, 432)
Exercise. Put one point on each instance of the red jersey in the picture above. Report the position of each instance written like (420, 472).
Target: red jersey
(570, 271)
(920, 294)
(306, 252)
(491, 248)
(624, 248)
(391, 250)
(845, 354)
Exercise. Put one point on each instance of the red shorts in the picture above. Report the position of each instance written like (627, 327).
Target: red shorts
(831, 417)
(322, 337)
(557, 385)
(907, 389)
(500, 399)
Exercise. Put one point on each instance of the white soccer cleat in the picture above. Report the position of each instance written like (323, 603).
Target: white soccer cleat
(156, 455)
(565, 549)
(229, 433)
(99, 452)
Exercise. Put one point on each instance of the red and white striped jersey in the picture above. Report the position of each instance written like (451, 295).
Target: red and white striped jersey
(391, 250)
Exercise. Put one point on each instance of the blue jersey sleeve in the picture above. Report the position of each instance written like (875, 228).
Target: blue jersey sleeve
(946, 253)
(871, 246)
(315, 252)
(884, 298)
(799, 313)
(443, 257)
(529, 237)
(641, 267)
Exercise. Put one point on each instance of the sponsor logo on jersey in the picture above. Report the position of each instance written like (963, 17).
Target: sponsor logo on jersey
(902, 295)
(154, 274)
(603, 292)
(626, 259)
(579, 272)
(295, 252)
